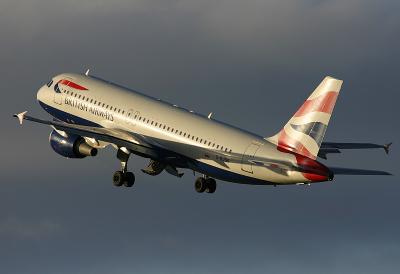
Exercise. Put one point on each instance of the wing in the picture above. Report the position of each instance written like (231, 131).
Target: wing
(331, 147)
(137, 143)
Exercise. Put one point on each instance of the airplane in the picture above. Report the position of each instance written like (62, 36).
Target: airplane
(90, 113)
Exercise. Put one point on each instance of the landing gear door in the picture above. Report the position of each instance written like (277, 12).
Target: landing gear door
(248, 156)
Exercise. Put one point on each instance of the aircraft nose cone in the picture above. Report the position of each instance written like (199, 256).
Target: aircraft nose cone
(41, 94)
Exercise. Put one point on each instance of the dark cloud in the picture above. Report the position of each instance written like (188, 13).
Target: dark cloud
(250, 62)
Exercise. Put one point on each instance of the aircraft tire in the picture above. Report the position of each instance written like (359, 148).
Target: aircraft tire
(200, 185)
(118, 178)
(129, 179)
(211, 185)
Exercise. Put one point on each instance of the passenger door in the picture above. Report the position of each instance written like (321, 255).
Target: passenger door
(58, 97)
(58, 94)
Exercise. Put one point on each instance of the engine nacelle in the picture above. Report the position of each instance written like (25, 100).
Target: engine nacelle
(70, 145)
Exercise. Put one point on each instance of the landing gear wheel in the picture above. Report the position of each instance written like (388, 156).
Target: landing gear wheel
(118, 178)
(129, 179)
(200, 185)
(211, 185)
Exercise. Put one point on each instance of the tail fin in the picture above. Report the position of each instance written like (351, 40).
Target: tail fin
(304, 132)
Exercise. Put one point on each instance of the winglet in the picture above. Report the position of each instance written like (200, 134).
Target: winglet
(20, 116)
(386, 147)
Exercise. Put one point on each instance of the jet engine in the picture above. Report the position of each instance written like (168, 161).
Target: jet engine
(70, 145)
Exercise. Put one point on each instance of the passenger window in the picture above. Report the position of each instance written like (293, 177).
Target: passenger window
(217, 146)
(164, 127)
(152, 122)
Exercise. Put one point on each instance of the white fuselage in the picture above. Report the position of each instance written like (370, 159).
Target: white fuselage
(108, 105)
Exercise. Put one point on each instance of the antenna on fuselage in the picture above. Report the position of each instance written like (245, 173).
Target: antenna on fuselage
(209, 115)
(87, 72)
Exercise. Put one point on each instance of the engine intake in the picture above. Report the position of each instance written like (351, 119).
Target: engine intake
(71, 145)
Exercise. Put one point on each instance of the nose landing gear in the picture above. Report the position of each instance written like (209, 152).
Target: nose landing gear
(123, 177)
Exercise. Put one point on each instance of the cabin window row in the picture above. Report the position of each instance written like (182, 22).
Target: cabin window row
(181, 133)
(148, 121)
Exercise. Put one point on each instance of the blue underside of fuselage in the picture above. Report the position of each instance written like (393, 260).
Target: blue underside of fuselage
(201, 167)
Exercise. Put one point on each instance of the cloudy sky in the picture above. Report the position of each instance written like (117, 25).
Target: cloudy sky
(252, 63)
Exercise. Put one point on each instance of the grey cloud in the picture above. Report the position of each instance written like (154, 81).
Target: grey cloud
(24, 229)
(250, 62)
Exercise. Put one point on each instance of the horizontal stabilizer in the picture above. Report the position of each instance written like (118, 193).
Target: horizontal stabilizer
(350, 171)
(331, 147)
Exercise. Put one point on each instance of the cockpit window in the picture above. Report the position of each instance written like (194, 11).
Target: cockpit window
(56, 88)
(50, 83)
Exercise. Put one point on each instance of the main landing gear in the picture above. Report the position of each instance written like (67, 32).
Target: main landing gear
(205, 184)
(123, 177)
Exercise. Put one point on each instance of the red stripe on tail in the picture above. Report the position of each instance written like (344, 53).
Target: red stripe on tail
(311, 169)
(323, 103)
(286, 143)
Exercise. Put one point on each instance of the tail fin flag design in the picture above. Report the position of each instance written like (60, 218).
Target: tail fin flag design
(304, 132)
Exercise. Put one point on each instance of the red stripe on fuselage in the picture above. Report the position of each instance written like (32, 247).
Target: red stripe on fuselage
(323, 103)
(71, 84)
